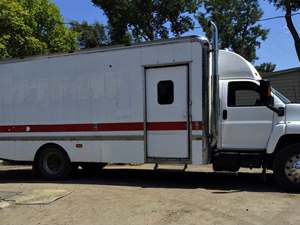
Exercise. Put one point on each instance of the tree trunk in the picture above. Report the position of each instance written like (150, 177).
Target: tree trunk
(290, 24)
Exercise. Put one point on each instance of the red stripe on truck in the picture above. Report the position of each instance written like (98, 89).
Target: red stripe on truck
(135, 126)
(173, 125)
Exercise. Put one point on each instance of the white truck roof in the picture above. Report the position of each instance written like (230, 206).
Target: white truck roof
(231, 65)
(234, 66)
(115, 47)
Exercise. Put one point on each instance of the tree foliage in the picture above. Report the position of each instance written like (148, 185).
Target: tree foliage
(90, 35)
(266, 68)
(281, 4)
(31, 27)
(237, 23)
(290, 6)
(147, 19)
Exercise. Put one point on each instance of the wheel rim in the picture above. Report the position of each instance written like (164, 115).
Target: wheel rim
(53, 163)
(292, 169)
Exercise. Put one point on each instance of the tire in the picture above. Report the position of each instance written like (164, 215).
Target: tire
(53, 163)
(286, 168)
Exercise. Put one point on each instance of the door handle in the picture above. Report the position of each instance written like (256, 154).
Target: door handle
(225, 114)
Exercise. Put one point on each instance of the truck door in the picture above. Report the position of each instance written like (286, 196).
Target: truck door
(246, 123)
(167, 129)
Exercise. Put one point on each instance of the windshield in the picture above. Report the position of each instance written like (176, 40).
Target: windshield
(281, 96)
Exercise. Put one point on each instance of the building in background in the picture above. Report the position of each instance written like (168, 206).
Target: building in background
(287, 82)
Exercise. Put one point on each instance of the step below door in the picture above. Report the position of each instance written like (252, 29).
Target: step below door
(166, 112)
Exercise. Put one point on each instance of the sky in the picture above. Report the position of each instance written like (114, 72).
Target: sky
(278, 48)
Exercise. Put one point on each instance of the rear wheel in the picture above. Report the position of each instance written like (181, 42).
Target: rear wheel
(287, 168)
(53, 163)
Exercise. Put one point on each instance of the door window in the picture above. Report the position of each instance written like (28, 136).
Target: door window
(243, 94)
(165, 92)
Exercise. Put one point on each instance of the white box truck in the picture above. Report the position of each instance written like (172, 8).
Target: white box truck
(170, 101)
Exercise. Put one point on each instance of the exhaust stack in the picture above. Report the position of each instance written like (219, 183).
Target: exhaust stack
(215, 98)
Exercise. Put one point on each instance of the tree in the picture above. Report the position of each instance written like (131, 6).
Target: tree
(90, 35)
(147, 19)
(31, 27)
(237, 23)
(266, 68)
(116, 11)
(290, 6)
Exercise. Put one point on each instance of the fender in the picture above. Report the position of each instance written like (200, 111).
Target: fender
(278, 131)
(293, 127)
(290, 129)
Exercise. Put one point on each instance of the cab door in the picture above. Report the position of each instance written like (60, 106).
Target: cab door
(167, 126)
(246, 123)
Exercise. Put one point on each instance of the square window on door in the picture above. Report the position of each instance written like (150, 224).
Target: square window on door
(165, 92)
(243, 94)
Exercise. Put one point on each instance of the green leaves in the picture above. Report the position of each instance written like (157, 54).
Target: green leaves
(147, 19)
(294, 4)
(266, 68)
(139, 20)
(237, 23)
(90, 35)
(32, 27)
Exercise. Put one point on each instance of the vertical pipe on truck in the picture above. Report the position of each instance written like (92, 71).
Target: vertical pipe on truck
(215, 84)
(206, 102)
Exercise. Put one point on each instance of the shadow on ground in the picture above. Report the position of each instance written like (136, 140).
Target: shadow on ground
(215, 182)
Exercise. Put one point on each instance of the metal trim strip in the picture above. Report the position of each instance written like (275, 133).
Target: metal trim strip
(84, 138)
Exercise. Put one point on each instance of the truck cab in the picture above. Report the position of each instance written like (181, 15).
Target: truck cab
(257, 126)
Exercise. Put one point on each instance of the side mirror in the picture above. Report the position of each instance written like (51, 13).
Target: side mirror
(280, 111)
(266, 92)
(266, 97)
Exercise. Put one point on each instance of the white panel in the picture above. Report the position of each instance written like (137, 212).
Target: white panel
(8, 150)
(94, 87)
(196, 81)
(234, 66)
(167, 144)
(91, 151)
(166, 54)
(197, 151)
(122, 152)
(247, 128)
(176, 111)
(72, 89)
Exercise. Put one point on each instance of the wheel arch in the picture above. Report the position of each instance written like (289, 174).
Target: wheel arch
(282, 141)
(48, 145)
(285, 140)
(278, 132)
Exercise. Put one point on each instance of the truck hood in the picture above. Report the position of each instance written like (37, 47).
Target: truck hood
(292, 113)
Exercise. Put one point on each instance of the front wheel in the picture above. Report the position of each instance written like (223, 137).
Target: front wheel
(287, 168)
